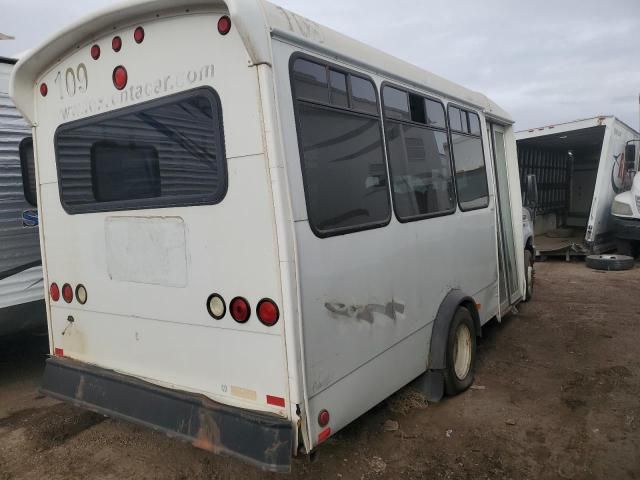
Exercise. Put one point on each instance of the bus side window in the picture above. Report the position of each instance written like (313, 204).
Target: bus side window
(419, 158)
(341, 149)
(468, 158)
(28, 167)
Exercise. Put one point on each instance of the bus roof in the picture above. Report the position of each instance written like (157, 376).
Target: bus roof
(255, 20)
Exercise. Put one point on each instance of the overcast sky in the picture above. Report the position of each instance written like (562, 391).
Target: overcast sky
(545, 61)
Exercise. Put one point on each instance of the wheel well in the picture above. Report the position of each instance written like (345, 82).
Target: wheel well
(440, 330)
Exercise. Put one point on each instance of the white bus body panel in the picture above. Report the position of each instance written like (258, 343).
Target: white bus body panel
(369, 298)
(151, 322)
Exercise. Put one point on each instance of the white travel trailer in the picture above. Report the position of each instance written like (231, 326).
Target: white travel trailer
(579, 167)
(255, 228)
(21, 289)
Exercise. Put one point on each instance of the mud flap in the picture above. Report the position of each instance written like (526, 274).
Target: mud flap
(257, 438)
(431, 385)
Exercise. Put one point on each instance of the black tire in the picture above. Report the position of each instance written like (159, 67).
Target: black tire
(528, 275)
(626, 247)
(610, 262)
(452, 382)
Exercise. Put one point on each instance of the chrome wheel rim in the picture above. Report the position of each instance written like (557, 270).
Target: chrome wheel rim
(462, 352)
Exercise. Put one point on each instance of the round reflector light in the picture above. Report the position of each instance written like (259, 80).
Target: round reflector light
(54, 291)
(120, 77)
(216, 306)
(95, 52)
(323, 418)
(268, 312)
(138, 34)
(240, 309)
(224, 25)
(67, 293)
(116, 44)
(81, 294)
(44, 89)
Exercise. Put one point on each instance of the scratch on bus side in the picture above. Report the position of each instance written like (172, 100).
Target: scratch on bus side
(365, 312)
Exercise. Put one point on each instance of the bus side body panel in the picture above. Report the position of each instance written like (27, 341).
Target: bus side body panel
(149, 272)
(369, 298)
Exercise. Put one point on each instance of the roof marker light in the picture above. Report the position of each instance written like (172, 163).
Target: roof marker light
(120, 77)
(95, 52)
(224, 25)
(44, 89)
(116, 44)
(138, 34)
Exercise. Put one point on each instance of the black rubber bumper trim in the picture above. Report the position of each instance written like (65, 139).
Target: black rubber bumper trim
(260, 439)
(627, 229)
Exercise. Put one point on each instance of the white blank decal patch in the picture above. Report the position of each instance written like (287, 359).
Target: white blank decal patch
(147, 250)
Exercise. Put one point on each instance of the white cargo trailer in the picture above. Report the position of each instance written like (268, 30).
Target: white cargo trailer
(21, 290)
(255, 228)
(579, 167)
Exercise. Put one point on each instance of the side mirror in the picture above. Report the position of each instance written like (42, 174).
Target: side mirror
(531, 199)
(629, 157)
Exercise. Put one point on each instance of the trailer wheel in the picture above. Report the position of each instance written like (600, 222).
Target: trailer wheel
(461, 353)
(529, 275)
(609, 262)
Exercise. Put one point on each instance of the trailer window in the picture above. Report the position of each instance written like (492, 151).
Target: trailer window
(28, 166)
(341, 150)
(468, 156)
(163, 153)
(421, 177)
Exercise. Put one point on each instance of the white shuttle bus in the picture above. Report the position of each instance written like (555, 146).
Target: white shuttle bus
(254, 228)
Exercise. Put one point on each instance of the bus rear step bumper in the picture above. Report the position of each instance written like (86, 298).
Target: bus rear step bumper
(260, 439)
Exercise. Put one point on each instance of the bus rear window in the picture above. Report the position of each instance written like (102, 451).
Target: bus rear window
(163, 153)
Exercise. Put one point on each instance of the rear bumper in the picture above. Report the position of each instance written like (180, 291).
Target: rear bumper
(260, 439)
(627, 229)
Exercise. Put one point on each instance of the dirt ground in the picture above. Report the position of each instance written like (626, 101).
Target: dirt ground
(556, 396)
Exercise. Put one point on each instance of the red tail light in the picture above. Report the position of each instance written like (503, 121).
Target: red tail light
(323, 418)
(240, 309)
(116, 44)
(138, 34)
(67, 293)
(120, 77)
(54, 291)
(44, 89)
(224, 25)
(268, 312)
(95, 52)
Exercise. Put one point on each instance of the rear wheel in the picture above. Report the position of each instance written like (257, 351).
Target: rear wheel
(528, 272)
(461, 353)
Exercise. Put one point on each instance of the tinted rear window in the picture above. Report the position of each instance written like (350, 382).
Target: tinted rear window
(163, 153)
